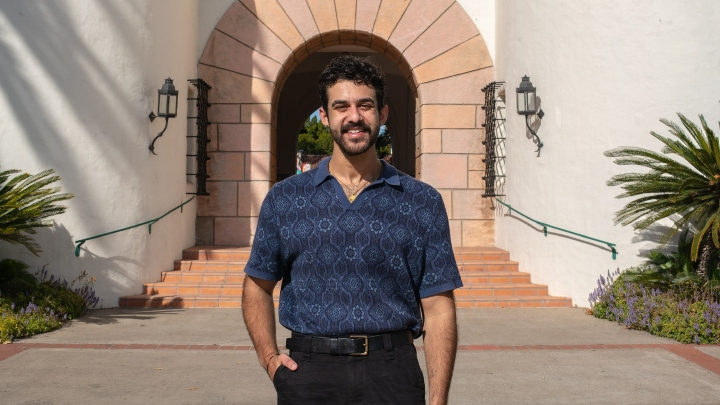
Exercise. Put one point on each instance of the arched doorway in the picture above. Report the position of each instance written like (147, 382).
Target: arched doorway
(299, 98)
(259, 46)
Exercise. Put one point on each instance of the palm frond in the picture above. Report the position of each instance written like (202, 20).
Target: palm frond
(684, 180)
(26, 203)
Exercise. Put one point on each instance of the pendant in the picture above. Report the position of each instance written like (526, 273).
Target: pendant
(351, 198)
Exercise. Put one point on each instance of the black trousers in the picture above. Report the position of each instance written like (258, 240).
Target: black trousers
(380, 377)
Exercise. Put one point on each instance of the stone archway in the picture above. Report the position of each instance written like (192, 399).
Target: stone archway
(257, 45)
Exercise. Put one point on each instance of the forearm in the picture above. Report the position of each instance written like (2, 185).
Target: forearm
(440, 345)
(259, 315)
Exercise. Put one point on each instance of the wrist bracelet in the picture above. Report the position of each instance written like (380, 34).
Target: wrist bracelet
(267, 366)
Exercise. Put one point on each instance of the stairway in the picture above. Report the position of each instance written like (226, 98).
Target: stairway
(212, 277)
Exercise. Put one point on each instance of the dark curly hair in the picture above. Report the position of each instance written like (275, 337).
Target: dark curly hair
(362, 71)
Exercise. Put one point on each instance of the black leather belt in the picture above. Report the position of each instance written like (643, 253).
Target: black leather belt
(353, 345)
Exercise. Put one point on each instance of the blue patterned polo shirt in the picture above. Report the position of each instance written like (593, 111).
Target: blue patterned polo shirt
(353, 268)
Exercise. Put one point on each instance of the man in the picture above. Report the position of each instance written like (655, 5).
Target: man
(366, 264)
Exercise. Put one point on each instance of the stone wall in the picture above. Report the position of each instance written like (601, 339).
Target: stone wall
(256, 46)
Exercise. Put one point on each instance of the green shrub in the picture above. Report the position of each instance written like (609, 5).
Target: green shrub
(14, 277)
(27, 321)
(29, 306)
(665, 270)
(683, 313)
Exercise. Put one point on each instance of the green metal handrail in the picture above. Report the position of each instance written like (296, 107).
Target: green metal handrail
(546, 226)
(149, 224)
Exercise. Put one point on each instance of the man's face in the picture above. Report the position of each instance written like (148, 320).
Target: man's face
(353, 117)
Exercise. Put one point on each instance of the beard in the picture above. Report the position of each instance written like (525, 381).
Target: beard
(358, 146)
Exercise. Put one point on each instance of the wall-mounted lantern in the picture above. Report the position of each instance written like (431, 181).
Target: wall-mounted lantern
(167, 107)
(527, 106)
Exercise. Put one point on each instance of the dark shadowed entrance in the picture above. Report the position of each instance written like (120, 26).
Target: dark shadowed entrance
(299, 98)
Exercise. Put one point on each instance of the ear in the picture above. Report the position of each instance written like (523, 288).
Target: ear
(384, 114)
(324, 117)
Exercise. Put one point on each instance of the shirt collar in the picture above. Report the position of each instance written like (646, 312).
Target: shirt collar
(389, 173)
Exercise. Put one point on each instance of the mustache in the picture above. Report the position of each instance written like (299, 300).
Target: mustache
(355, 125)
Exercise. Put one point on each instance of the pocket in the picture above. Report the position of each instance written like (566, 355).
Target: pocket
(279, 374)
(408, 361)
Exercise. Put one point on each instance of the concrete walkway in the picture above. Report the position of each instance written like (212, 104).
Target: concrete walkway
(203, 356)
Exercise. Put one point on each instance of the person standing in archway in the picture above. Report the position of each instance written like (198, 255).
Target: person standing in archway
(366, 264)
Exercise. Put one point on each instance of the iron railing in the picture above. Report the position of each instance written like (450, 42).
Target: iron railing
(80, 242)
(546, 226)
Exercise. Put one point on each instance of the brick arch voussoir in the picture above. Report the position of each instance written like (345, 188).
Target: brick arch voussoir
(345, 37)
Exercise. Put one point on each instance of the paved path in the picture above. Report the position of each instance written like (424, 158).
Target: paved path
(506, 356)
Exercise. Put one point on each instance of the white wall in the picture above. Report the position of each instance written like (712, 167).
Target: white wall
(606, 72)
(483, 13)
(77, 81)
(209, 14)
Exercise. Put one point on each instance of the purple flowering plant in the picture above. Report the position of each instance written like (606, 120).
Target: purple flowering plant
(685, 312)
(31, 304)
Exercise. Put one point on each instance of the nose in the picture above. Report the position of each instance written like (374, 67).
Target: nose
(354, 114)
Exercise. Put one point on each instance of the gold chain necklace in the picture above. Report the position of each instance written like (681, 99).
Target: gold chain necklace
(350, 192)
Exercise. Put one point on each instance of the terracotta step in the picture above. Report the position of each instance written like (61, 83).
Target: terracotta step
(239, 265)
(178, 301)
(545, 301)
(501, 290)
(488, 265)
(198, 289)
(210, 265)
(480, 253)
(182, 301)
(216, 253)
(177, 276)
(212, 277)
(243, 253)
(495, 277)
(223, 289)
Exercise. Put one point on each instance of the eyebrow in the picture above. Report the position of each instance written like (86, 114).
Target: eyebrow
(362, 100)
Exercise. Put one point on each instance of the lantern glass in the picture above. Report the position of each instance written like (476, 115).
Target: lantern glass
(172, 105)
(531, 108)
(162, 105)
(521, 102)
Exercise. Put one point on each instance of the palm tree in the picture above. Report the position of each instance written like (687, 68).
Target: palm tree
(26, 203)
(683, 182)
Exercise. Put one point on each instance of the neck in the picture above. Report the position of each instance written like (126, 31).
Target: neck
(355, 169)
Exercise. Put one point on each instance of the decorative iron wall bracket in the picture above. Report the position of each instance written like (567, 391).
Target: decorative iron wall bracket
(152, 145)
(534, 133)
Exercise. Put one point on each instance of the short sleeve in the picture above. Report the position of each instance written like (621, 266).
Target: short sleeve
(441, 272)
(266, 255)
